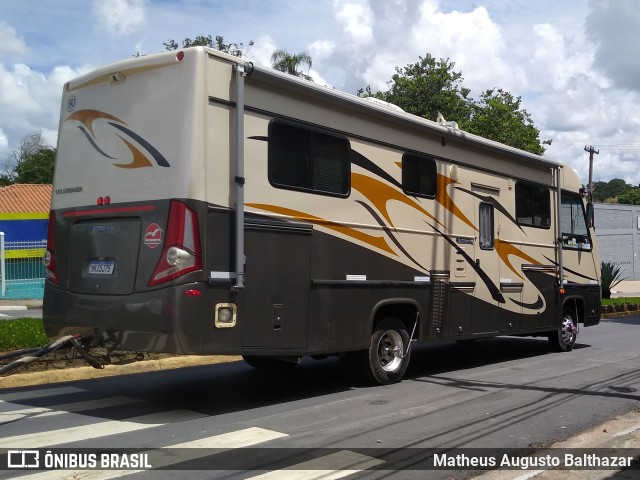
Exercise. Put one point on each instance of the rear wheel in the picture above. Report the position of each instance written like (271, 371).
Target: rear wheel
(564, 339)
(387, 358)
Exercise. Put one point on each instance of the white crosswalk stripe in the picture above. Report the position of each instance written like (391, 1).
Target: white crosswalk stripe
(45, 392)
(66, 408)
(334, 466)
(328, 467)
(96, 430)
(198, 449)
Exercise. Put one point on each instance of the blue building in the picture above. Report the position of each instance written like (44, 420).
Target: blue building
(24, 215)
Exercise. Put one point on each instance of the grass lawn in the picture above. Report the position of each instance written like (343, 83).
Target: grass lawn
(621, 301)
(22, 333)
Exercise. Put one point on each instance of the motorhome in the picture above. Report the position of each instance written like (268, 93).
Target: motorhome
(206, 205)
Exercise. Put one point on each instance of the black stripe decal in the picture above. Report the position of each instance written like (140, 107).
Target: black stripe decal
(157, 156)
(362, 161)
(93, 143)
(493, 289)
(387, 230)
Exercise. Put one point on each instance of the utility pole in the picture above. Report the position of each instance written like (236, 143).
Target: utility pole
(591, 151)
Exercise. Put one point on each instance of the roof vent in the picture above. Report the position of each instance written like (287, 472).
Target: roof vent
(382, 103)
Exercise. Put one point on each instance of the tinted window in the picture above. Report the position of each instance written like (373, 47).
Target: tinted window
(419, 175)
(486, 226)
(533, 205)
(305, 159)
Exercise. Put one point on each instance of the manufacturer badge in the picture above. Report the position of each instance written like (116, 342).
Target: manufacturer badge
(153, 235)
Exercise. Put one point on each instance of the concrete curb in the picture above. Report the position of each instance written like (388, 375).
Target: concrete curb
(5, 308)
(87, 373)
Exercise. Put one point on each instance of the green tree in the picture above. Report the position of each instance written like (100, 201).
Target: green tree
(236, 49)
(610, 191)
(498, 116)
(37, 168)
(427, 88)
(632, 197)
(290, 63)
(431, 86)
(31, 162)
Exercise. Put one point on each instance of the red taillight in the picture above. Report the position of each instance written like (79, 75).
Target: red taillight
(49, 256)
(181, 251)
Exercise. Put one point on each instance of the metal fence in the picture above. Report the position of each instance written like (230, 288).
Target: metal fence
(21, 268)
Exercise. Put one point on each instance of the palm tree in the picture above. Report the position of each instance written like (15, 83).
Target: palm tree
(284, 61)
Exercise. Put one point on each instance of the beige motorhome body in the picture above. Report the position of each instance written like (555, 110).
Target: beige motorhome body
(360, 226)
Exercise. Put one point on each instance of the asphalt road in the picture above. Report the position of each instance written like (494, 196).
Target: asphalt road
(508, 393)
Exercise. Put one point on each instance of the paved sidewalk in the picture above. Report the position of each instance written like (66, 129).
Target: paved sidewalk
(20, 304)
(626, 288)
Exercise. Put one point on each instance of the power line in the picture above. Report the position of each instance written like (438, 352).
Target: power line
(618, 146)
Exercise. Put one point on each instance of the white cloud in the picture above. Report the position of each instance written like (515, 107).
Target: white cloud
(261, 51)
(34, 100)
(10, 43)
(575, 68)
(613, 27)
(469, 39)
(120, 17)
(322, 49)
(356, 19)
(4, 146)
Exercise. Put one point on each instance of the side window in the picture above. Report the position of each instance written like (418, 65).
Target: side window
(419, 175)
(533, 205)
(573, 223)
(305, 159)
(486, 226)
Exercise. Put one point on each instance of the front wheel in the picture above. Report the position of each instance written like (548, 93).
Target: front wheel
(387, 358)
(564, 339)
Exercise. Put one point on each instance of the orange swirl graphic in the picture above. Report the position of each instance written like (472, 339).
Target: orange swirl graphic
(87, 117)
(379, 194)
(377, 242)
(506, 249)
(443, 198)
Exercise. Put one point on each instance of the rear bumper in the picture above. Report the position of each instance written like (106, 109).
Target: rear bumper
(164, 320)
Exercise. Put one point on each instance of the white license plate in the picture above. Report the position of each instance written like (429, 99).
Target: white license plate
(101, 267)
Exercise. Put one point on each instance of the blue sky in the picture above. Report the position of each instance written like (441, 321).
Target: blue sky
(574, 63)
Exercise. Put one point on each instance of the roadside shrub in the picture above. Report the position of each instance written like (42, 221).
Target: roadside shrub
(611, 276)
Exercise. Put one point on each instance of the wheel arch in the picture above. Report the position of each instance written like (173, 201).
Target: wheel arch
(576, 304)
(404, 309)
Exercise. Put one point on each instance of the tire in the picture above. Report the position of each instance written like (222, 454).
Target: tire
(271, 364)
(385, 361)
(563, 339)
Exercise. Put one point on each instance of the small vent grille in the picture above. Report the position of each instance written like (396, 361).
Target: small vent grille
(439, 301)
